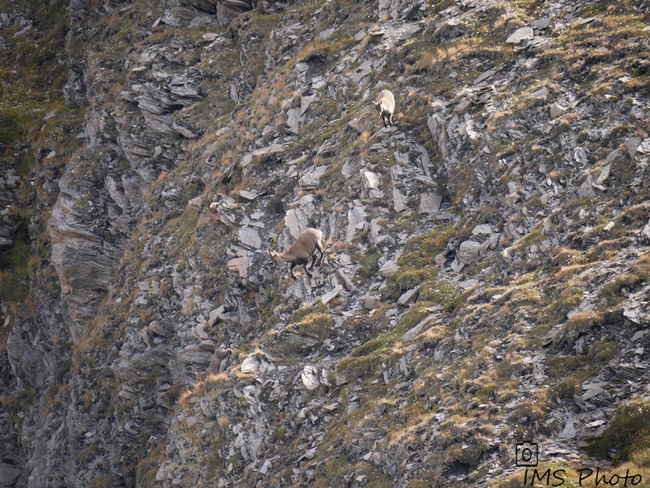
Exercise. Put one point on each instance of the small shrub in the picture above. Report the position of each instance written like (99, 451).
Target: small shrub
(627, 434)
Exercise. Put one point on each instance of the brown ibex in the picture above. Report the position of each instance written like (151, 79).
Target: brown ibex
(385, 103)
(301, 252)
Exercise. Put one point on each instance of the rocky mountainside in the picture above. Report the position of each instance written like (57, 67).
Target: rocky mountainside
(487, 271)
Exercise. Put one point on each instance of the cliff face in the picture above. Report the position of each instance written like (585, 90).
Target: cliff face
(487, 274)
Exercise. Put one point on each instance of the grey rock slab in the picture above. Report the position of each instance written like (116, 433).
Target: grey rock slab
(556, 110)
(593, 390)
(389, 268)
(239, 265)
(587, 187)
(293, 120)
(638, 335)
(327, 33)
(265, 467)
(430, 203)
(356, 221)
(541, 24)
(593, 430)
(521, 34)
(312, 179)
(415, 331)
(248, 195)
(457, 265)
(305, 102)
(467, 284)
(408, 295)
(644, 147)
(297, 220)
(637, 311)
(329, 296)
(482, 230)
(604, 174)
(195, 354)
(8, 474)
(569, 431)
(541, 94)
(216, 314)
(250, 238)
(371, 302)
(469, 251)
(361, 72)
(484, 76)
(398, 201)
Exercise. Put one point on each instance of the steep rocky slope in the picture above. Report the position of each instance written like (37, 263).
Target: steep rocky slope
(487, 274)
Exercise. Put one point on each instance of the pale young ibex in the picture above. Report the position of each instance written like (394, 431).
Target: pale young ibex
(385, 103)
(218, 363)
(301, 252)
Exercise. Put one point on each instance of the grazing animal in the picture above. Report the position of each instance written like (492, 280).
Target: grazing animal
(301, 252)
(385, 103)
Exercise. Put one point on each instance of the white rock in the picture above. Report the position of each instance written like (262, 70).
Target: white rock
(327, 33)
(184, 131)
(309, 377)
(457, 265)
(210, 36)
(370, 179)
(556, 110)
(265, 467)
(250, 365)
(248, 195)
